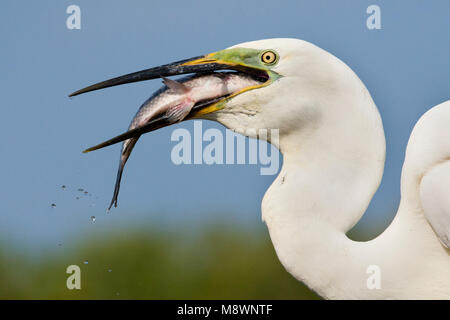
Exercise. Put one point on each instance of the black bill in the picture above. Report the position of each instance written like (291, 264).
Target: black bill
(171, 69)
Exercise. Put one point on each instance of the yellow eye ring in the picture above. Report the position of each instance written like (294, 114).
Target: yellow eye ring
(269, 57)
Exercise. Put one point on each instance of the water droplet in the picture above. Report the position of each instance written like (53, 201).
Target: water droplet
(85, 262)
(80, 189)
(53, 205)
(77, 198)
(93, 218)
(63, 187)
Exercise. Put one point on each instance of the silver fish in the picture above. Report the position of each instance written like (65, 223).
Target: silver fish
(175, 100)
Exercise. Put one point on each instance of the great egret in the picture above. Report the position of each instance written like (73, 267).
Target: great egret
(332, 140)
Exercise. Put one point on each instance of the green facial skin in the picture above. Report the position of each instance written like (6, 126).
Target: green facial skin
(248, 58)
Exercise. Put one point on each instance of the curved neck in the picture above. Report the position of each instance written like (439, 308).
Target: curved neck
(328, 178)
(333, 168)
(323, 188)
(305, 229)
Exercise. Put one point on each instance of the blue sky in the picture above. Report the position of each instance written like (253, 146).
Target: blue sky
(405, 66)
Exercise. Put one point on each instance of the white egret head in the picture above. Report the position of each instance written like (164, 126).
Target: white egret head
(310, 96)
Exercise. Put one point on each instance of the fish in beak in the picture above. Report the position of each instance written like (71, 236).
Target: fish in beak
(205, 92)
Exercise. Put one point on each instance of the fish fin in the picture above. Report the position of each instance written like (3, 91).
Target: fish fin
(180, 111)
(175, 85)
(123, 160)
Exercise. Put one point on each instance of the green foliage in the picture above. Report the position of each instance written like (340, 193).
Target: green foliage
(220, 262)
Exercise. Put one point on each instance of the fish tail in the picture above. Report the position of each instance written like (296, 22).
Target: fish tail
(117, 186)
(123, 160)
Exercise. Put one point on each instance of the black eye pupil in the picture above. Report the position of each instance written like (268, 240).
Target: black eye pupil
(268, 57)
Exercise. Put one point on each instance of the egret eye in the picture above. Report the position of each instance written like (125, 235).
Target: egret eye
(269, 57)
